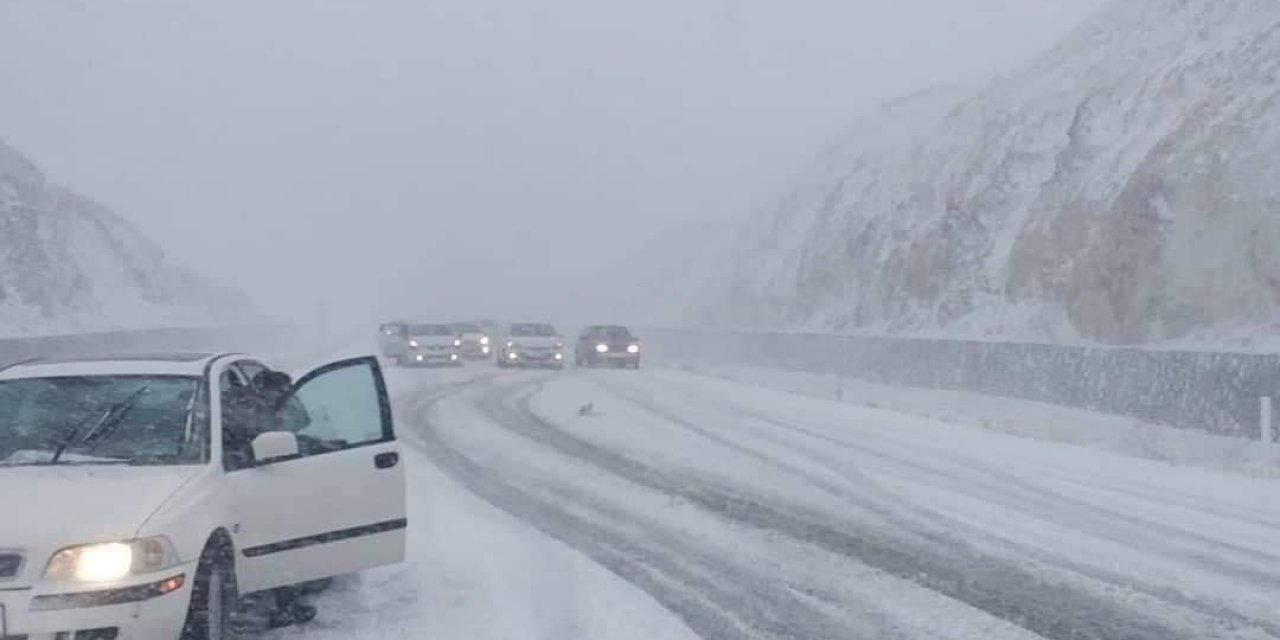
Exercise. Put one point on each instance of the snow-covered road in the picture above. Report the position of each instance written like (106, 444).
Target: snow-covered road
(683, 505)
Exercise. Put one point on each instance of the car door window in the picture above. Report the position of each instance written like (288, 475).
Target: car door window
(340, 406)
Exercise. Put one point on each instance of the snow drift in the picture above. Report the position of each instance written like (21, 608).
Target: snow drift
(1121, 189)
(70, 264)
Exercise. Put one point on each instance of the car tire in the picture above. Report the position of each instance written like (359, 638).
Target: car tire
(213, 596)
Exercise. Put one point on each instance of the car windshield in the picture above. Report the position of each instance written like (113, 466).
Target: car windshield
(141, 420)
(610, 333)
(532, 331)
(431, 330)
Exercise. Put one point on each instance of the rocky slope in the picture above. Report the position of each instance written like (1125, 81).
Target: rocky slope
(70, 264)
(1125, 188)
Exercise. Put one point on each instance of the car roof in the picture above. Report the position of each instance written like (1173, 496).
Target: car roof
(169, 363)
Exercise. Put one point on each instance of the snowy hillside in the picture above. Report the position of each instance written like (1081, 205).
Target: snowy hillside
(70, 264)
(1122, 189)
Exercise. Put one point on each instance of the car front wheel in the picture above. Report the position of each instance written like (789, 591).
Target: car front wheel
(213, 597)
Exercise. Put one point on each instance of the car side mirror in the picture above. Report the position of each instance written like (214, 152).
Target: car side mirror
(275, 446)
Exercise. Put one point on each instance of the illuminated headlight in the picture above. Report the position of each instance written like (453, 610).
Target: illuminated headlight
(510, 344)
(513, 356)
(111, 561)
(420, 357)
(453, 356)
(559, 356)
(602, 348)
(413, 343)
(484, 340)
(457, 343)
(484, 350)
(635, 348)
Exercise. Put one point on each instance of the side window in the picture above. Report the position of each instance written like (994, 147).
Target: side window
(341, 406)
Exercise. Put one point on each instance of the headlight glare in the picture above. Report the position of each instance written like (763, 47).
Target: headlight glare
(413, 343)
(602, 348)
(635, 348)
(484, 340)
(111, 561)
(457, 343)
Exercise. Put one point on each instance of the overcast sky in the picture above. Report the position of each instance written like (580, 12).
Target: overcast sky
(411, 156)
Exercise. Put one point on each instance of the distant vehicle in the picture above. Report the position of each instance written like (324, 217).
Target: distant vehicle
(393, 337)
(431, 344)
(532, 345)
(607, 345)
(476, 344)
(144, 494)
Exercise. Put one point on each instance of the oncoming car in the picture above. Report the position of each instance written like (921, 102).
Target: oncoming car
(532, 345)
(429, 344)
(144, 495)
(607, 345)
(475, 343)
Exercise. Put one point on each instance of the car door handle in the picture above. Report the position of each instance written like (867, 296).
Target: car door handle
(386, 460)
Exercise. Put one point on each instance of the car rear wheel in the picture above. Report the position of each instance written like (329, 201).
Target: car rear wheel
(213, 597)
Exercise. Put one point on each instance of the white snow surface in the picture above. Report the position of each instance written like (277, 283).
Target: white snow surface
(665, 503)
(1120, 190)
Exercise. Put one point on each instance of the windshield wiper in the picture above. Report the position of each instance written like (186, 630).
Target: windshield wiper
(114, 415)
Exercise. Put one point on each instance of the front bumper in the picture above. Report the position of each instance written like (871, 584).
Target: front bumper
(32, 614)
(534, 359)
(475, 351)
(613, 357)
(428, 357)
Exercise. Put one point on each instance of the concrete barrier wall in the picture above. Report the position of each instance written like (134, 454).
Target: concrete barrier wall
(1205, 391)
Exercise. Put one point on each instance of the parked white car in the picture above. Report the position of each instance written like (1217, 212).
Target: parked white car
(142, 496)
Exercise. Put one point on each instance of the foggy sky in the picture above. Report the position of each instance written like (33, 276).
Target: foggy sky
(461, 156)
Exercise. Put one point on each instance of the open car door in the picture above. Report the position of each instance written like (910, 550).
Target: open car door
(338, 505)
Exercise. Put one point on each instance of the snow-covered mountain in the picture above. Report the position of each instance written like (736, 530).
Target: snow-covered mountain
(70, 264)
(1124, 188)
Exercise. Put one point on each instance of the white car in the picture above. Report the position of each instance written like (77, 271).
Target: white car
(431, 344)
(475, 343)
(141, 496)
(532, 345)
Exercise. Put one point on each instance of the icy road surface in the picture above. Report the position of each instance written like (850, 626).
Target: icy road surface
(686, 506)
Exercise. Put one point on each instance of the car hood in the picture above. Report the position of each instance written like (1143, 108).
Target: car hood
(535, 341)
(46, 508)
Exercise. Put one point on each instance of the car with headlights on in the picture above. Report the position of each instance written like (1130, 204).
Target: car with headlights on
(532, 345)
(476, 344)
(431, 344)
(149, 496)
(607, 345)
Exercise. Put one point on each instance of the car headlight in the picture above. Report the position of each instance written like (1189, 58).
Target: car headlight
(484, 340)
(413, 343)
(111, 561)
(457, 343)
(602, 348)
(635, 348)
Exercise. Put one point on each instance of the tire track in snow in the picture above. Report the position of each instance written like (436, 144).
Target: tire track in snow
(1011, 491)
(987, 583)
(715, 601)
(930, 522)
